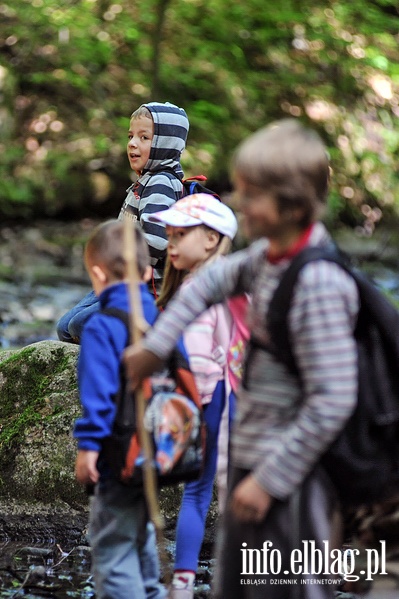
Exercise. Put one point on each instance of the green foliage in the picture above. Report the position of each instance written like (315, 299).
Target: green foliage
(72, 73)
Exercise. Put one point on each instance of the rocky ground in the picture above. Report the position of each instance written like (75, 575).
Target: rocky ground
(37, 522)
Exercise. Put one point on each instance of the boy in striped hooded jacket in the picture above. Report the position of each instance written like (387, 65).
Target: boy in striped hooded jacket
(156, 138)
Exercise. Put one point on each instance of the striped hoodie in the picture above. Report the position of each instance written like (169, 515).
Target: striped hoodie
(155, 190)
(281, 428)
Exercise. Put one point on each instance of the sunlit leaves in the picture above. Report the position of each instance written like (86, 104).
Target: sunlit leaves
(87, 64)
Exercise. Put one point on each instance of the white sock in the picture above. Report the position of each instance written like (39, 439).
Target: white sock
(183, 579)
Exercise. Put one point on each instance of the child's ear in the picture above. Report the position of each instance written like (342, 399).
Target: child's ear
(147, 274)
(99, 273)
(213, 238)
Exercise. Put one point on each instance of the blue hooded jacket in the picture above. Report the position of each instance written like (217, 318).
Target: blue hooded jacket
(103, 340)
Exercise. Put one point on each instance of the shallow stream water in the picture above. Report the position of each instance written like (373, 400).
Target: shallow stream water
(42, 275)
(44, 570)
(48, 569)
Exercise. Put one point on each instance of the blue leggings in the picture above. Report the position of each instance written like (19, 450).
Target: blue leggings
(198, 494)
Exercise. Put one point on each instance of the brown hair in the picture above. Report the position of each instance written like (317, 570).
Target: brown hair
(105, 246)
(141, 111)
(173, 278)
(289, 161)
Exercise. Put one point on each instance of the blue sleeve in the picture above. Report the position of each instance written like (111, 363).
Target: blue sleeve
(102, 344)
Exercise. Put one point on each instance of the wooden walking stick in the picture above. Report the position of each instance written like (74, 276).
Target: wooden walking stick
(137, 326)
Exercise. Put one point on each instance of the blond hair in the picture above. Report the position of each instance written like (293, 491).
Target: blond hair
(173, 277)
(290, 162)
(105, 246)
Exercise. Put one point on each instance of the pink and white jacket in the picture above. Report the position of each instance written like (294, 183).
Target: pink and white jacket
(215, 343)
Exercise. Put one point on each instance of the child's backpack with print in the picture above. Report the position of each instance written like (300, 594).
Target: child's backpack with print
(363, 462)
(173, 416)
(238, 307)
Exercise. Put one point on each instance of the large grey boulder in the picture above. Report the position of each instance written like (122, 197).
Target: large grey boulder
(39, 402)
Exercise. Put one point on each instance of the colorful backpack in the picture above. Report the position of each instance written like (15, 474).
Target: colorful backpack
(173, 416)
(238, 307)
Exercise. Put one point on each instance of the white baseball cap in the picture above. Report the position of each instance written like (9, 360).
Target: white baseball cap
(199, 209)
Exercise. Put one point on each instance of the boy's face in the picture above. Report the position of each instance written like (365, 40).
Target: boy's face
(259, 209)
(141, 132)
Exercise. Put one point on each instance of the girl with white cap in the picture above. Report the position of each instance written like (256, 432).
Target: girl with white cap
(200, 229)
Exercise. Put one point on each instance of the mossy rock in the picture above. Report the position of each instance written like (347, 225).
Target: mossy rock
(39, 403)
(38, 407)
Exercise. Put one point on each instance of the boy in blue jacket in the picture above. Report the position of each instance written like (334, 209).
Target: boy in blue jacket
(124, 554)
(156, 139)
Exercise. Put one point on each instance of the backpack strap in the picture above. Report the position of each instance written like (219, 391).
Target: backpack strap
(168, 170)
(376, 325)
(118, 313)
(124, 317)
(277, 322)
(171, 171)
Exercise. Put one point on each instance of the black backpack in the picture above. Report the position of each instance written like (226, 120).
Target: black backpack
(191, 185)
(363, 462)
(174, 416)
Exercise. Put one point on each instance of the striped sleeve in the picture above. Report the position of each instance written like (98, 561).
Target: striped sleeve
(160, 193)
(321, 321)
(223, 278)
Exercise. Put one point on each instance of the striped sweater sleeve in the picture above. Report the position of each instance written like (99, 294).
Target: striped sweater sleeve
(321, 321)
(160, 193)
(223, 278)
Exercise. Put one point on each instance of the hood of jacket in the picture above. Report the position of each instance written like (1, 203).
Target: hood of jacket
(170, 134)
